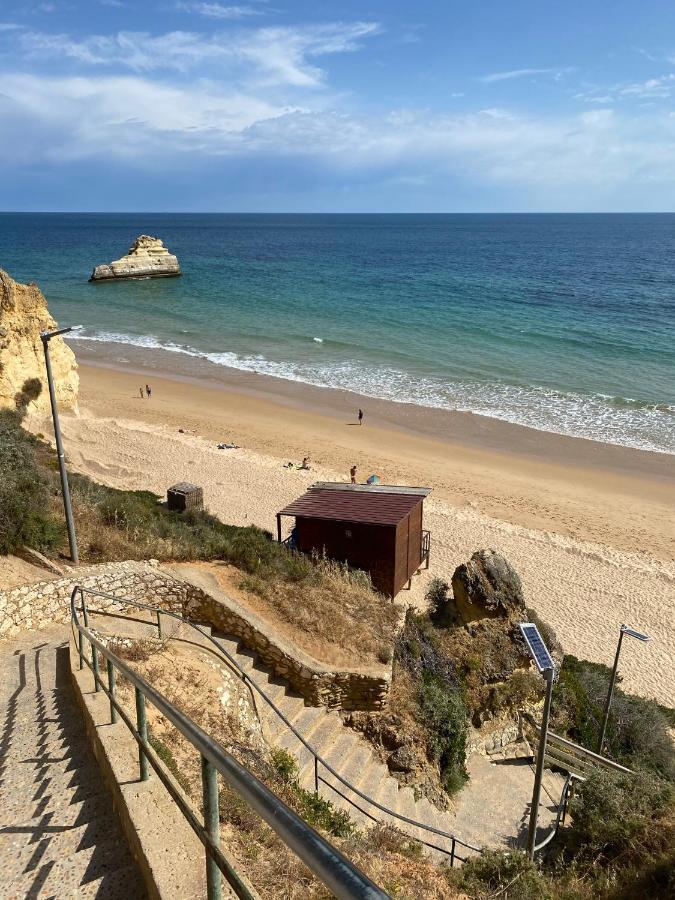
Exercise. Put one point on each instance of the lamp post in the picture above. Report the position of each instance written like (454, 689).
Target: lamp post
(544, 662)
(45, 337)
(631, 632)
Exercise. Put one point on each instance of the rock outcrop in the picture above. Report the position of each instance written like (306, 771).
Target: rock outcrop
(147, 258)
(23, 379)
(488, 585)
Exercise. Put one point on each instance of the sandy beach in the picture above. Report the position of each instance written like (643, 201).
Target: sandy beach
(588, 526)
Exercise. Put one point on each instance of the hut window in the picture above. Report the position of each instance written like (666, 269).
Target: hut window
(348, 532)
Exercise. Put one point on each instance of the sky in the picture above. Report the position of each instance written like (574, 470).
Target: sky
(369, 106)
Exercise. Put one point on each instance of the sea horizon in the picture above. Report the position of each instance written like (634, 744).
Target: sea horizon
(566, 326)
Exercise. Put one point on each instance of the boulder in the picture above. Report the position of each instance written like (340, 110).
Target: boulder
(147, 258)
(23, 378)
(488, 585)
(402, 760)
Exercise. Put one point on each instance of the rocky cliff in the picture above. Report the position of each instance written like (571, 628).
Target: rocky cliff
(23, 379)
(147, 257)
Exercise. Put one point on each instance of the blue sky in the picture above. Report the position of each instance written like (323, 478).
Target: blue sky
(259, 105)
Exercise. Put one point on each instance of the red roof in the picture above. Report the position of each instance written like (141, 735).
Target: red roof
(374, 505)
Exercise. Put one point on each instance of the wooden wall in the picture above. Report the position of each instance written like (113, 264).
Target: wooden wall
(369, 547)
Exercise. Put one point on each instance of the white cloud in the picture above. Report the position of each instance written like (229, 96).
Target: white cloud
(149, 125)
(219, 11)
(278, 55)
(660, 88)
(522, 73)
(652, 88)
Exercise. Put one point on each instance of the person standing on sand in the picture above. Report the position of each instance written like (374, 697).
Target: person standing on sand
(147, 390)
(352, 474)
(141, 390)
(360, 417)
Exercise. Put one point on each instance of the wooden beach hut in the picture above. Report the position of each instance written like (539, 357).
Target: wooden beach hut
(373, 527)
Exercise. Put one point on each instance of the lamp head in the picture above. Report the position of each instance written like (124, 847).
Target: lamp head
(631, 632)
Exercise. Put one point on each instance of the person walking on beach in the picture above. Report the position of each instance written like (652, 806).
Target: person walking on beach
(360, 417)
(141, 390)
(147, 390)
(352, 474)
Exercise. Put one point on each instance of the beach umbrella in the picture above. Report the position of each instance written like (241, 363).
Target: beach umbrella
(374, 479)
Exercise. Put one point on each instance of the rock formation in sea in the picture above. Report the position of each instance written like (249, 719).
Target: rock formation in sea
(147, 257)
(23, 379)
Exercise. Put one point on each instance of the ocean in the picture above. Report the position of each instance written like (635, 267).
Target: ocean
(565, 323)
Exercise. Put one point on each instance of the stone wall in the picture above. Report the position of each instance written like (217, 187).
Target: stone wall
(36, 605)
(45, 602)
(367, 690)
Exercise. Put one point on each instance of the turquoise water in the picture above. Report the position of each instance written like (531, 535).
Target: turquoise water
(565, 323)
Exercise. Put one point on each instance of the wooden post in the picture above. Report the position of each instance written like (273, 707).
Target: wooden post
(279, 527)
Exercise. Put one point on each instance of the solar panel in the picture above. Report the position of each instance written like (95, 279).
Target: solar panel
(537, 647)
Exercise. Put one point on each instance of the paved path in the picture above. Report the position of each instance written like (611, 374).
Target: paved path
(59, 835)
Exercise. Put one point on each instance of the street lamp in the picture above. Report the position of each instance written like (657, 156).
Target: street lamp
(544, 662)
(631, 632)
(45, 337)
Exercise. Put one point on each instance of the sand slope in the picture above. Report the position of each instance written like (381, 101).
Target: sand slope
(584, 590)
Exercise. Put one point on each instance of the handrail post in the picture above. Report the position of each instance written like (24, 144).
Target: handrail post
(142, 725)
(85, 614)
(316, 773)
(80, 648)
(111, 689)
(94, 665)
(159, 625)
(452, 853)
(212, 825)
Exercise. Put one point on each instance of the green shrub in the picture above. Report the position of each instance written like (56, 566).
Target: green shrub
(498, 874)
(314, 809)
(437, 596)
(615, 815)
(24, 494)
(637, 732)
(445, 718)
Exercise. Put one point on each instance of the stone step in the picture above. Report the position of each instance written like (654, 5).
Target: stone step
(19, 808)
(29, 786)
(61, 814)
(66, 880)
(92, 850)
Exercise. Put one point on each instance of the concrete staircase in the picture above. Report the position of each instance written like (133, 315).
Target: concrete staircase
(492, 810)
(59, 834)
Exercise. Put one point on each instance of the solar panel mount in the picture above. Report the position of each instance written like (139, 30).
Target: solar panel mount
(542, 658)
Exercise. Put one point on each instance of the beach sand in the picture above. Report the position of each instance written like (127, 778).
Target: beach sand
(589, 527)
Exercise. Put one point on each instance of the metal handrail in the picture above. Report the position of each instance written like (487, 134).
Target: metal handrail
(318, 760)
(593, 758)
(328, 864)
(560, 816)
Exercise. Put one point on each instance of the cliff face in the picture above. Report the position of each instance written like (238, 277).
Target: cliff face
(147, 257)
(23, 315)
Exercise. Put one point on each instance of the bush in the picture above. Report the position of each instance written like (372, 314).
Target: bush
(616, 815)
(310, 806)
(445, 717)
(637, 732)
(31, 390)
(24, 495)
(437, 596)
(498, 874)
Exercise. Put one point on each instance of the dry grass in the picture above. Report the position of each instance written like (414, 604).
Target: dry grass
(392, 860)
(334, 616)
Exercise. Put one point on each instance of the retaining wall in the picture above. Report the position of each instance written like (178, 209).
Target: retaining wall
(45, 602)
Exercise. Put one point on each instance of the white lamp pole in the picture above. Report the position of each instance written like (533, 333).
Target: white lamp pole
(631, 632)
